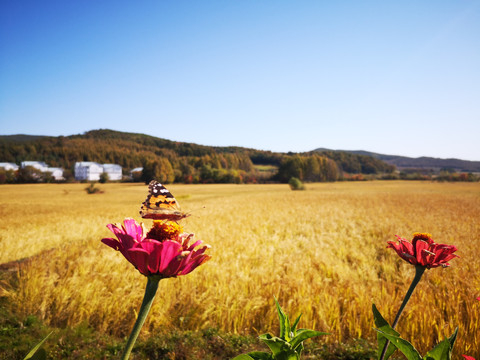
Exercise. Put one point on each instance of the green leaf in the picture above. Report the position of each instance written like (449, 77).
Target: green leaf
(383, 325)
(261, 355)
(276, 344)
(439, 352)
(284, 322)
(288, 356)
(304, 334)
(294, 326)
(453, 338)
(255, 355)
(299, 349)
(443, 350)
(403, 345)
(37, 353)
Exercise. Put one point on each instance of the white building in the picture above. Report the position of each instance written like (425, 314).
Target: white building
(39, 165)
(136, 173)
(114, 171)
(57, 173)
(137, 169)
(91, 171)
(9, 166)
(88, 170)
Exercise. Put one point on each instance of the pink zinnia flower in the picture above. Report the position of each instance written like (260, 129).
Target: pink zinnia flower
(423, 251)
(163, 251)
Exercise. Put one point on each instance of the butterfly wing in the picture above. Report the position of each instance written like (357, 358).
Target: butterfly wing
(160, 204)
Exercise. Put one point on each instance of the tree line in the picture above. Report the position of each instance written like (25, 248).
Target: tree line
(169, 161)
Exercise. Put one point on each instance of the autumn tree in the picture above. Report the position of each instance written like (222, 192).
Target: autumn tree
(160, 170)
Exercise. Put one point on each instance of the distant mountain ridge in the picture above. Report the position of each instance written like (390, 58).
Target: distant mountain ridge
(423, 162)
(21, 137)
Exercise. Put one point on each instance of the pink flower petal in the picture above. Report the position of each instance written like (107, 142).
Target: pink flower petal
(194, 245)
(124, 238)
(170, 250)
(134, 229)
(166, 258)
(113, 243)
(139, 259)
(154, 249)
(194, 263)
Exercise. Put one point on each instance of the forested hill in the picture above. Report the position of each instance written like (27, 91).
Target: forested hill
(181, 161)
(426, 163)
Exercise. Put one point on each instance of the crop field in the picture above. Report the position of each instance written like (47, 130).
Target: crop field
(320, 252)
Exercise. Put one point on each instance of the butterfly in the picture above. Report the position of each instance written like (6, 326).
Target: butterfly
(161, 204)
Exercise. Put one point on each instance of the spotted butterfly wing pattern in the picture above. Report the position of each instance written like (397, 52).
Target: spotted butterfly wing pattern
(161, 204)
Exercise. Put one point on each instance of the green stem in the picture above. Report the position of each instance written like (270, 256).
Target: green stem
(419, 270)
(150, 291)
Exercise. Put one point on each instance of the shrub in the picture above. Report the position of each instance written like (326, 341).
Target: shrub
(92, 189)
(296, 184)
(103, 178)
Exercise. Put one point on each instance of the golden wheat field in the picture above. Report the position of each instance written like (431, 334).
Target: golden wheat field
(321, 252)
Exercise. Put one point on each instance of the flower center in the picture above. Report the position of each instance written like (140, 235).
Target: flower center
(164, 230)
(422, 236)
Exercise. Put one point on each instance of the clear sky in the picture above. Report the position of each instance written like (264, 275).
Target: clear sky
(394, 77)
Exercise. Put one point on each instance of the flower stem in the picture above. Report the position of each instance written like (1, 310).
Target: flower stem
(150, 291)
(419, 270)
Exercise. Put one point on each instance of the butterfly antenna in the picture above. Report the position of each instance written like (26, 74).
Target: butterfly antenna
(195, 210)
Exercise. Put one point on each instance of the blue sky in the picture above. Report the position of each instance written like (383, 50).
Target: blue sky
(397, 77)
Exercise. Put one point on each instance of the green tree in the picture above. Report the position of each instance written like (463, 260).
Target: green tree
(291, 166)
(313, 168)
(103, 178)
(160, 170)
(29, 174)
(7, 176)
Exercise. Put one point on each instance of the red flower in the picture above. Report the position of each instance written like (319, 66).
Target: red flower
(165, 257)
(468, 357)
(423, 251)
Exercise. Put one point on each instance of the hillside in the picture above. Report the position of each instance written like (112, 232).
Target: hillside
(425, 163)
(170, 161)
(21, 138)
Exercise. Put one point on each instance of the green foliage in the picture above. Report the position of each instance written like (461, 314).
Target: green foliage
(383, 325)
(449, 176)
(358, 164)
(288, 345)
(29, 174)
(296, 184)
(358, 349)
(38, 353)
(160, 170)
(103, 178)
(309, 168)
(82, 342)
(442, 351)
(92, 189)
(7, 176)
